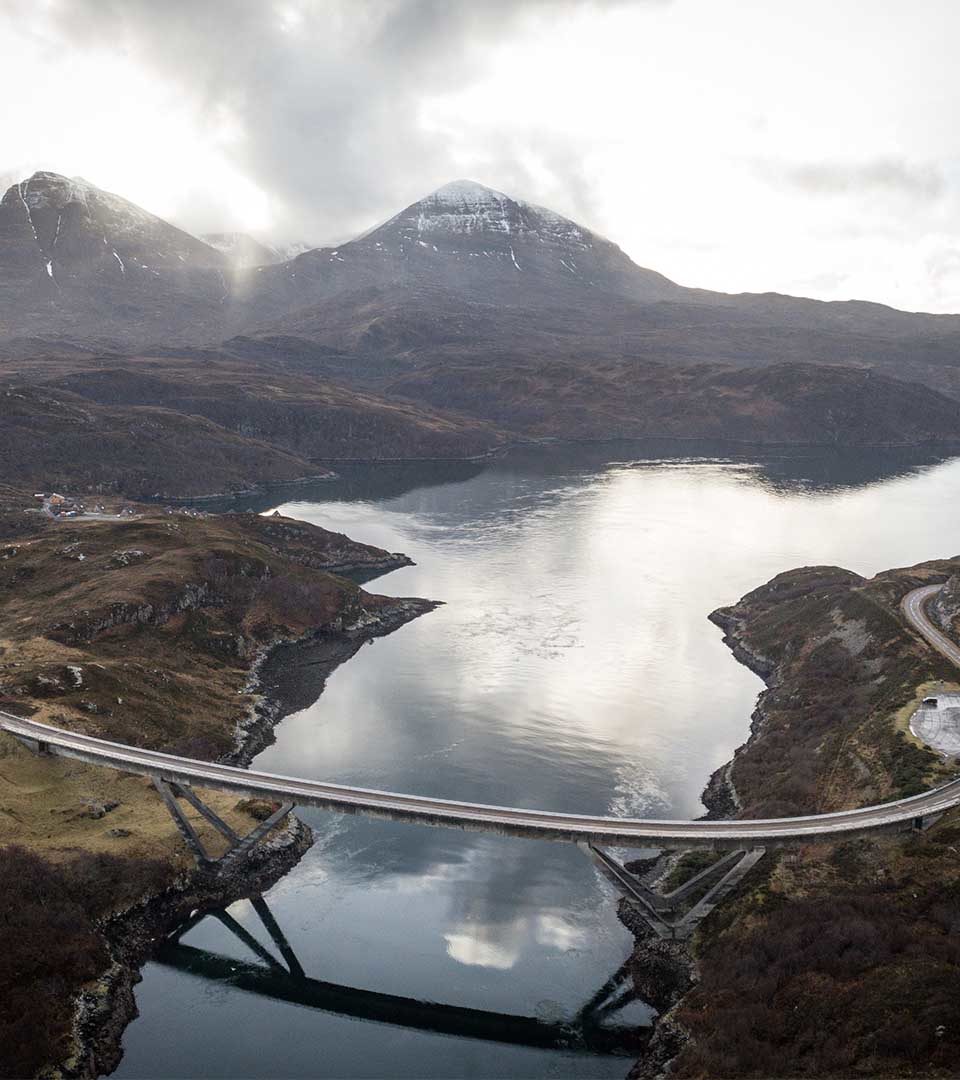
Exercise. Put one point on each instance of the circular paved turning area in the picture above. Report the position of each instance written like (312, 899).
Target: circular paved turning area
(939, 726)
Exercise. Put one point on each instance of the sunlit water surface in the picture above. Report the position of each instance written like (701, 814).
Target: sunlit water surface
(572, 667)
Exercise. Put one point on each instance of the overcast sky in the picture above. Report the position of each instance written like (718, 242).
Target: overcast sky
(806, 146)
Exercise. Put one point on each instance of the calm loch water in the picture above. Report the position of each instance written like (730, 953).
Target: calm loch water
(571, 667)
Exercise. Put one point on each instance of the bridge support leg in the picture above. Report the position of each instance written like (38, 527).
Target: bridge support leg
(925, 821)
(256, 835)
(237, 845)
(653, 906)
(187, 831)
(726, 884)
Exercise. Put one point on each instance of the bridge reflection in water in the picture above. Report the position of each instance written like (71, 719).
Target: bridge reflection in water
(589, 1032)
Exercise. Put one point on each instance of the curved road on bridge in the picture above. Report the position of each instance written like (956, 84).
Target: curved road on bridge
(513, 821)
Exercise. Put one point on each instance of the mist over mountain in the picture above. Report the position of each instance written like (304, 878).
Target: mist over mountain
(243, 250)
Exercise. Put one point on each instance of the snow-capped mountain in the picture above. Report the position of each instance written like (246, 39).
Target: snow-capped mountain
(465, 221)
(66, 222)
(470, 240)
(79, 259)
(465, 264)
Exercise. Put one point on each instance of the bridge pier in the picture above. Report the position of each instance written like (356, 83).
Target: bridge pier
(925, 821)
(653, 906)
(237, 846)
(35, 746)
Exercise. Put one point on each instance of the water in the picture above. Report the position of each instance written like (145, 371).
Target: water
(571, 668)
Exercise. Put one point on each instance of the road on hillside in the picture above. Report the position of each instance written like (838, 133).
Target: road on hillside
(914, 606)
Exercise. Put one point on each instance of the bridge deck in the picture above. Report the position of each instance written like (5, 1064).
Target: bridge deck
(506, 820)
(515, 821)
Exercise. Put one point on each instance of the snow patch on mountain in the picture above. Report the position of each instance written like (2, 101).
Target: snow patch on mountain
(74, 222)
(466, 209)
(46, 189)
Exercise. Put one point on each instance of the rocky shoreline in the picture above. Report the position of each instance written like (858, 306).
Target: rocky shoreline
(104, 1010)
(665, 971)
(720, 796)
(314, 656)
(766, 993)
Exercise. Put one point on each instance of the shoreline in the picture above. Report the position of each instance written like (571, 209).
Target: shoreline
(948, 447)
(668, 969)
(103, 1010)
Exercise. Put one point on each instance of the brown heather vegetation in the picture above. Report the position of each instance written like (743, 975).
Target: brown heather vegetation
(834, 960)
(845, 665)
(840, 961)
(163, 615)
(141, 630)
(51, 945)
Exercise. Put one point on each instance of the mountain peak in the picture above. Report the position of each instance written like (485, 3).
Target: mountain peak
(467, 191)
(467, 233)
(63, 233)
(464, 208)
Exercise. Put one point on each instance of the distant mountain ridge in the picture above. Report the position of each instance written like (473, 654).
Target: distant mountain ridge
(465, 275)
(71, 250)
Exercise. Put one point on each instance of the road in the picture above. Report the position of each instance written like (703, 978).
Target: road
(505, 820)
(508, 820)
(913, 606)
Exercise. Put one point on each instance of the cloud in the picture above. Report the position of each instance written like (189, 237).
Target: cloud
(921, 182)
(318, 104)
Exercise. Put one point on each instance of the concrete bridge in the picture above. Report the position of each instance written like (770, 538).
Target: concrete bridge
(173, 772)
(175, 777)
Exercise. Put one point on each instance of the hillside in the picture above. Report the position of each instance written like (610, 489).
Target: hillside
(311, 417)
(144, 631)
(830, 960)
(52, 440)
(789, 404)
(76, 260)
(173, 427)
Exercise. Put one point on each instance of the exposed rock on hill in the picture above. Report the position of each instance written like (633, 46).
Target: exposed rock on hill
(945, 606)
